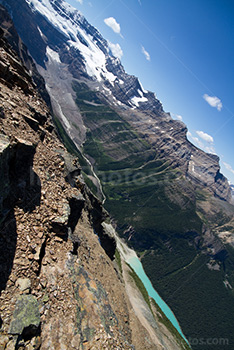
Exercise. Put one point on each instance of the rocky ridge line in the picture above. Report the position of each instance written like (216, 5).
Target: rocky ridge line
(60, 287)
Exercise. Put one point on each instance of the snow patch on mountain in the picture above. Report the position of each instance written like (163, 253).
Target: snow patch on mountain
(51, 54)
(45, 8)
(94, 57)
(136, 100)
(109, 76)
(107, 90)
(87, 49)
(145, 91)
(140, 92)
(41, 34)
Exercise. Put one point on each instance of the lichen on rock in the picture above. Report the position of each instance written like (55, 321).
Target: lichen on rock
(26, 316)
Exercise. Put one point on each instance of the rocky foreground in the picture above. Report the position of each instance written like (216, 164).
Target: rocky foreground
(60, 285)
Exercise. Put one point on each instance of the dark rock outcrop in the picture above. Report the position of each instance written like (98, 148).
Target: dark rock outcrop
(10, 34)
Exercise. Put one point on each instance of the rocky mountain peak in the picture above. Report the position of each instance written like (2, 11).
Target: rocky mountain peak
(60, 26)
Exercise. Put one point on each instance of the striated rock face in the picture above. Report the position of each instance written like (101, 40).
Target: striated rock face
(60, 285)
(203, 169)
(67, 47)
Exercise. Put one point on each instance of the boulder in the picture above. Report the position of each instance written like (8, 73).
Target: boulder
(26, 317)
(24, 284)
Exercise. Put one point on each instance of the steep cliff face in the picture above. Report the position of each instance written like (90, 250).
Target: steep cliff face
(16, 43)
(39, 246)
(60, 285)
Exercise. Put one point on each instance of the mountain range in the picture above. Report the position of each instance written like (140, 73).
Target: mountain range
(64, 283)
(167, 198)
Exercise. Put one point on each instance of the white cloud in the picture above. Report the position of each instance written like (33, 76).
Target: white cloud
(213, 101)
(179, 117)
(113, 24)
(204, 136)
(189, 134)
(80, 1)
(147, 55)
(209, 148)
(196, 140)
(228, 167)
(116, 50)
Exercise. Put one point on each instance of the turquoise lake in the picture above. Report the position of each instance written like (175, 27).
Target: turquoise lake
(136, 265)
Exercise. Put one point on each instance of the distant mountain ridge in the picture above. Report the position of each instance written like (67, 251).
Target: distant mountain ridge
(63, 37)
(98, 61)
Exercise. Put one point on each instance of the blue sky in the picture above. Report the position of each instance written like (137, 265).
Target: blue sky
(182, 50)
